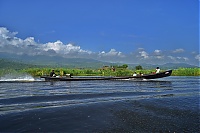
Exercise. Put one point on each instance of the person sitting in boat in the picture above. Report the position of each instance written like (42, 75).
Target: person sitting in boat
(52, 74)
(157, 70)
(135, 74)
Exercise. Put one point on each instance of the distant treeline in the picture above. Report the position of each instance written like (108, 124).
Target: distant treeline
(105, 71)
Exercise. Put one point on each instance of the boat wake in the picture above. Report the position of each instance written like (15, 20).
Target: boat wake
(17, 78)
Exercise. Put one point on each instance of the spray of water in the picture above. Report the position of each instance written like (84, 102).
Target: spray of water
(17, 77)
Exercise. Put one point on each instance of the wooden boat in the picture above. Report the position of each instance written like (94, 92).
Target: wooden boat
(154, 75)
(85, 78)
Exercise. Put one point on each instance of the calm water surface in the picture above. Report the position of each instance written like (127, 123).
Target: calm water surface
(166, 105)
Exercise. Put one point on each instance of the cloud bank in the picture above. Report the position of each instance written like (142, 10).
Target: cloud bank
(10, 43)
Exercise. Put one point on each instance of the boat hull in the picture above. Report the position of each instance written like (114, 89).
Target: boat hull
(155, 75)
(47, 78)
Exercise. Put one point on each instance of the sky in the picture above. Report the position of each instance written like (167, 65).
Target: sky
(125, 31)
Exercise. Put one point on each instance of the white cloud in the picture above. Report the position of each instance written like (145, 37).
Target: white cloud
(9, 43)
(179, 50)
(4, 33)
(171, 57)
(30, 41)
(59, 47)
(182, 58)
(185, 58)
(64, 49)
(157, 52)
(159, 57)
(112, 52)
(144, 54)
(197, 57)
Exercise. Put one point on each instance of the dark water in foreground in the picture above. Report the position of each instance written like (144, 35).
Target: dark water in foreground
(165, 105)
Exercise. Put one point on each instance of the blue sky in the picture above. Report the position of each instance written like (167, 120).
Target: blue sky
(129, 31)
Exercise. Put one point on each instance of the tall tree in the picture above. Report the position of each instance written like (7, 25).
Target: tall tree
(139, 67)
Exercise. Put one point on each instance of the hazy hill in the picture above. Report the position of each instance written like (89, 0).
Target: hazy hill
(10, 64)
(51, 61)
(25, 61)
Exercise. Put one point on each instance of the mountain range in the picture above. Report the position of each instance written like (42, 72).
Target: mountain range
(26, 61)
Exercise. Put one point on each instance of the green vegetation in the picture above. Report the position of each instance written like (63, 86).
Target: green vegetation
(186, 72)
(108, 71)
(105, 71)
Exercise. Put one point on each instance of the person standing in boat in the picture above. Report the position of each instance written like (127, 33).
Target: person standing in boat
(52, 74)
(157, 70)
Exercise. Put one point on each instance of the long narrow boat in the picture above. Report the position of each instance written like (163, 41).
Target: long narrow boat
(155, 75)
(85, 78)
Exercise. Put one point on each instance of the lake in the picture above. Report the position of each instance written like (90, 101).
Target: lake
(169, 104)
